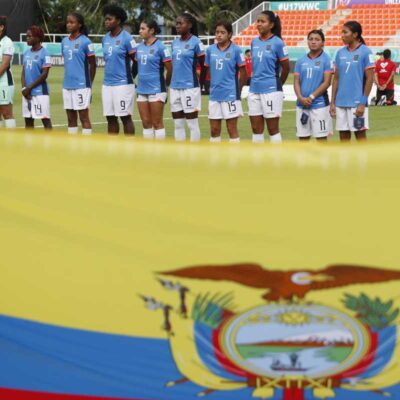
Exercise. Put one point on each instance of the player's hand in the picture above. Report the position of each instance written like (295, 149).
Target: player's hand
(332, 110)
(303, 101)
(308, 101)
(26, 92)
(360, 110)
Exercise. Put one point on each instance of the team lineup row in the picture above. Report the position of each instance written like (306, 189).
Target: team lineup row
(156, 67)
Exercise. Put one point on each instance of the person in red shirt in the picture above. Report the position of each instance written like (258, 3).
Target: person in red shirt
(385, 70)
(249, 65)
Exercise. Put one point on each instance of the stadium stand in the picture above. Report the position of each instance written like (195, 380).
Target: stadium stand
(381, 25)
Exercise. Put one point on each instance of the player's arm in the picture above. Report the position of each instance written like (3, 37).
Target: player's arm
(391, 77)
(42, 78)
(297, 90)
(168, 67)
(5, 64)
(23, 82)
(242, 77)
(134, 65)
(203, 69)
(369, 80)
(285, 70)
(324, 85)
(334, 92)
(92, 67)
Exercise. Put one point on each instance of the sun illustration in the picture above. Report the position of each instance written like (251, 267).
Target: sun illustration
(294, 318)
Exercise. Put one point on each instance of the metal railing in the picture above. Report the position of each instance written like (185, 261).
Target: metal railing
(249, 18)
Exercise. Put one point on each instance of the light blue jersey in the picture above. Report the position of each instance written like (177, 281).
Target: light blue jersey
(266, 56)
(351, 66)
(185, 55)
(118, 64)
(150, 61)
(34, 63)
(311, 73)
(76, 65)
(224, 66)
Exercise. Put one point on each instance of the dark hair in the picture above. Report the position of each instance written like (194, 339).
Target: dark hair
(81, 20)
(387, 54)
(227, 25)
(355, 27)
(189, 18)
(37, 32)
(247, 51)
(316, 32)
(152, 24)
(277, 28)
(3, 21)
(116, 11)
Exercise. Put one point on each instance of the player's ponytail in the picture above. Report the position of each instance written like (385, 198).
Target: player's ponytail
(81, 21)
(355, 27)
(277, 28)
(192, 21)
(3, 22)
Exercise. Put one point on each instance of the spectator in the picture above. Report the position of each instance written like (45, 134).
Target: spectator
(249, 65)
(385, 70)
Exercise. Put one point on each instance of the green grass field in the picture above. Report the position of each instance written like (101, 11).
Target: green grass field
(384, 121)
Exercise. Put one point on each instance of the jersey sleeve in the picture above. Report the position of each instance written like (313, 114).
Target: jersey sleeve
(297, 68)
(207, 60)
(46, 59)
(282, 51)
(130, 45)
(240, 61)
(368, 59)
(392, 67)
(8, 48)
(199, 50)
(165, 54)
(89, 49)
(336, 62)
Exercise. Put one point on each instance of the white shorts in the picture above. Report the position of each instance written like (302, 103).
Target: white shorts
(345, 119)
(118, 100)
(77, 99)
(37, 108)
(269, 105)
(319, 122)
(152, 98)
(186, 100)
(225, 109)
(6, 95)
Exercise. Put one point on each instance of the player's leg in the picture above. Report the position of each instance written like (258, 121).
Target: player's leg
(72, 117)
(344, 123)
(191, 108)
(129, 127)
(112, 125)
(215, 116)
(145, 115)
(107, 95)
(321, 123)
(215, 130)
(272, 104)
(256, 117)
(47, 123)
(84, 117)
(6, 106)
(303, 124)
(123, 106)
(231, 126)
(362, 134)
(177, 114)
(29, 123)
(27, 114)
(157, 113)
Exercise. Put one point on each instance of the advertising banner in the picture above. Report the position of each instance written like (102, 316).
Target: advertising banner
(298, 5)
(351, 3)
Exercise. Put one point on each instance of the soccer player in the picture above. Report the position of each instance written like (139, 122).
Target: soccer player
(6, 77)
(35, 70)
(118, 88)
(79, 73)
(312, 77)
(224, 60)
(185, 91)
(354, 74)
(270, 71)
(384, 78)
(152, 57)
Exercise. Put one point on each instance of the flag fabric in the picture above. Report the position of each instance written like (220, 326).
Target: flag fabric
(163, 271)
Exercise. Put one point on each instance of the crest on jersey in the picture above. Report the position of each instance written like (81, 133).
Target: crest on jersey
(268, 48)
(283, 343)
(76, 46)
(36, 58)
(356, 57)
(151, 51)
(118, 42)
(318, 63)
(228, 56)
(187, 46)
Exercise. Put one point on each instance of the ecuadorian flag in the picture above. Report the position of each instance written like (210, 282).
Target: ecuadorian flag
(163, 271)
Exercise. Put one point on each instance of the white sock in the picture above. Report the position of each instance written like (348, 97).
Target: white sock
(234, 140)
(10, 123)
(160, 134)
(258, 138)
(148, 133)
(179, 133)
(2, 124)
(215, 139)
(72, 130)
(194, 128)
(86, 132)
(277, 138)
